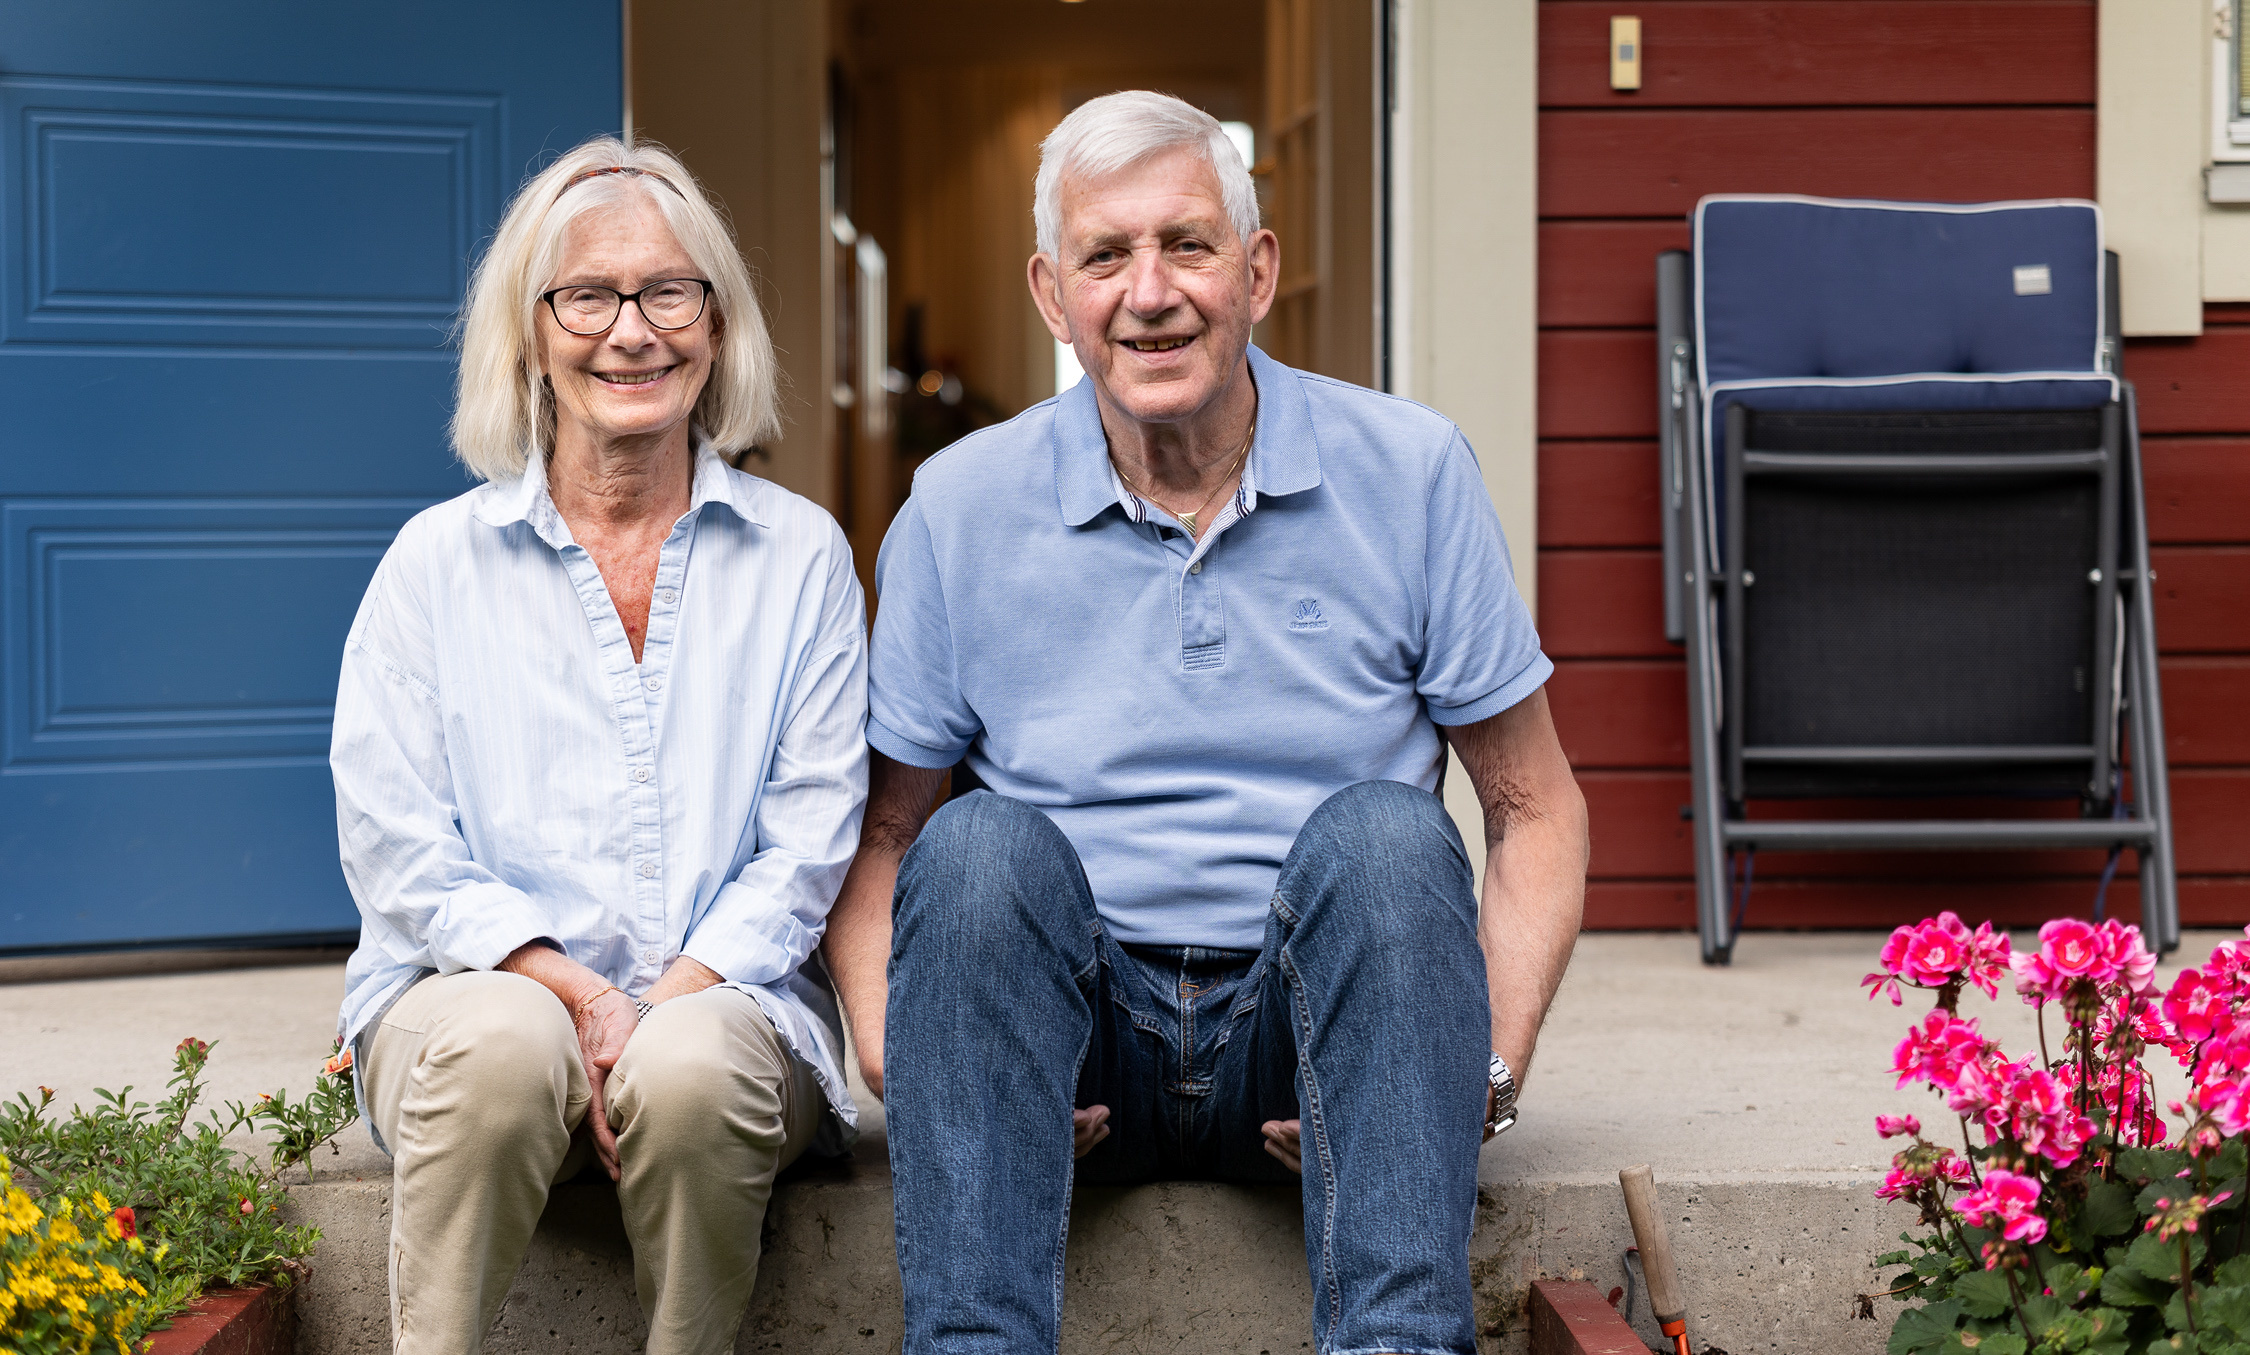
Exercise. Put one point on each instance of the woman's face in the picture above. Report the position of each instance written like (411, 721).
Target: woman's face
(633, 380)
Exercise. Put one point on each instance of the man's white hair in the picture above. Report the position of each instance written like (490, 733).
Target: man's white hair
(1102, 136)
(503, 413)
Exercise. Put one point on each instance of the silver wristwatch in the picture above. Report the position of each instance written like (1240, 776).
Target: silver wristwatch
(1502, 1111)
(644, 1008)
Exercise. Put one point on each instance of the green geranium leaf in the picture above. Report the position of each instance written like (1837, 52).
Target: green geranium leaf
(1984, 1293)
(2110, 1331)
(1893, 1258)
(2124, 1287)
(2161, 1260)
(1926, 1328)
(1972, 1343)
(2108, 1210)
(2150, 1164)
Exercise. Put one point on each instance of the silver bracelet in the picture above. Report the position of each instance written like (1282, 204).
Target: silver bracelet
(644, 1008)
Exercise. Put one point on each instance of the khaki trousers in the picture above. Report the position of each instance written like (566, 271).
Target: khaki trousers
(476, 1083)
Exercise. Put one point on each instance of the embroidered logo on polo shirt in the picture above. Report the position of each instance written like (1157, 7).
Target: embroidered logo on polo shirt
(1308, 616)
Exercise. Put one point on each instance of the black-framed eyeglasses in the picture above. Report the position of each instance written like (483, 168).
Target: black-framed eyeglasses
(587, 310)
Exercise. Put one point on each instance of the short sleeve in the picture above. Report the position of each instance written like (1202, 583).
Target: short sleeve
(916, 713)
(1481, 652)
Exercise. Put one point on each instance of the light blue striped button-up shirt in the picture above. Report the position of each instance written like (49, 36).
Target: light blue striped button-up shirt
(506, 772)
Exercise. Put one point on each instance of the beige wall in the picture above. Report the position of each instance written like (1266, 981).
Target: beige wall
(2151, 149)
(1465, 325)
(1465, 260)
(739, 89)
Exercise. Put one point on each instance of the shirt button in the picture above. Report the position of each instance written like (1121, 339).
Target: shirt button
(668, 595)
(652, 955)
(656, 684)
(648, 870)
(640, 773)
(1196, 568)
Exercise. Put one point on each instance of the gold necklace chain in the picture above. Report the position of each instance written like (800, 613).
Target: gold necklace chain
(1188, 519)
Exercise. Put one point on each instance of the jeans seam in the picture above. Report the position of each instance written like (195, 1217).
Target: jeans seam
(1070, 1183)
(1318, 1125)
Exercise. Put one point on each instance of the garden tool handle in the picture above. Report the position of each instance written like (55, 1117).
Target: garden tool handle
(1656, 1252)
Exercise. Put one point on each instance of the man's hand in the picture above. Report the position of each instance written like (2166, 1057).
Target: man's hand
(604, 1025)
(1284, 1141)
(1087, 1128)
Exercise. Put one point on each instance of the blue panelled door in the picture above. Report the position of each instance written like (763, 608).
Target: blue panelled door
(233, 237)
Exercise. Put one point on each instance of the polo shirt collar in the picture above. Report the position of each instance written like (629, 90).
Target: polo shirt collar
(525, 499)
(1284, 450)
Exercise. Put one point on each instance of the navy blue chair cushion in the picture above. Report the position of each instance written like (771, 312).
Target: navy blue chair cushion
(1806, 287)
(1807, 304)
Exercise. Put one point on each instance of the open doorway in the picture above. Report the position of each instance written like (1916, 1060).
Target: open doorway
(878, 158)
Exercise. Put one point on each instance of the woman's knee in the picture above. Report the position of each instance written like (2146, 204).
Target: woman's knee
(505, 1033)
(708, 1061)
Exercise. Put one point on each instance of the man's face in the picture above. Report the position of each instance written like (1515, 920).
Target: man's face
(1152, 287)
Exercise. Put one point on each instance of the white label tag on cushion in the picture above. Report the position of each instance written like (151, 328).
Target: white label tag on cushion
(2032, 279)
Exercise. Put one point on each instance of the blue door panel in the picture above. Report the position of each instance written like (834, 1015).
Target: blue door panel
(264, 422)
(233, 241)
(112, 857)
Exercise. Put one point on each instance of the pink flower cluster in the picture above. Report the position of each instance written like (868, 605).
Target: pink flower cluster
(2007, 1202)
(1910, 1169)
(1937, 952)
(2208, 1029)
(2071, 950)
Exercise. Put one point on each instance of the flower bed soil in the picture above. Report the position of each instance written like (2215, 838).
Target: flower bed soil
(254, 1320)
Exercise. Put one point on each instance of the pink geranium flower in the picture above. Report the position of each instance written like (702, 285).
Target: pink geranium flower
(1891, 1126)
(2197, 1007)
(1898, 1184)
(2128, 960)
(1937, 1049)
(2035, 1109)
(2071, 949)
(1939, 951)
(2007, 1202)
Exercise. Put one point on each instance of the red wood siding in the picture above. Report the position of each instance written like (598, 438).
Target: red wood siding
(1937, 99)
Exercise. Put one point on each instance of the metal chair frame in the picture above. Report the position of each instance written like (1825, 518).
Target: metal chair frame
(1704, 611)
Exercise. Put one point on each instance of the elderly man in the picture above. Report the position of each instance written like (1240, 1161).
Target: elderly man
(1202, 628)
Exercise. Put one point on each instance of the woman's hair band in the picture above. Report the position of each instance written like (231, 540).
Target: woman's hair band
(621, 169)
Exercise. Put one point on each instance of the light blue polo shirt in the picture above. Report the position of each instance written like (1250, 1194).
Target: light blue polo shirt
(1180, 710)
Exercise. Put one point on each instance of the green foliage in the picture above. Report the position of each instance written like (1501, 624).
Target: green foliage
(208, 1212)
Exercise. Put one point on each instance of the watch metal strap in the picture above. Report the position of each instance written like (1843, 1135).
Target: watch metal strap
(1502, 1116)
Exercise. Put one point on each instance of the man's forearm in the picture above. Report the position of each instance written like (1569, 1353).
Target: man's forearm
(858, 949)
(858, 942)
(1534, 900)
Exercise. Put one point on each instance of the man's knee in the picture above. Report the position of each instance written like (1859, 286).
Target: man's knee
(985, 869)
(1390, 844)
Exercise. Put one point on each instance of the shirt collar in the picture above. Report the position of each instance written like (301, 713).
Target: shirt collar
(1284, 449)
(525, 498)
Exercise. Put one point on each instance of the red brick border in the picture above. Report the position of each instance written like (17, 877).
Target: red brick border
(1572, 1318)
(256, 1320)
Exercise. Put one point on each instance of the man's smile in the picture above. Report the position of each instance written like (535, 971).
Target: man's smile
(1157, 345)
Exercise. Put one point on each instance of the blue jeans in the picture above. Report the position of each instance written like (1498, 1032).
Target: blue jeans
(1364, 1014)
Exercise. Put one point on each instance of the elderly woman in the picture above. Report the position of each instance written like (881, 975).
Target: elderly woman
(599, 768)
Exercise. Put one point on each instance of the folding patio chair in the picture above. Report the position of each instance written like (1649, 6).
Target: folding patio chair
(1904, 544)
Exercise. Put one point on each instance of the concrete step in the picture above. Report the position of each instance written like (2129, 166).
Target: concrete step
(1179, 1266)
(1751, 1089)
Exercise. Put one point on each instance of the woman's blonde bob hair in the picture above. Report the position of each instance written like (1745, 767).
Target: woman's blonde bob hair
(504, 412)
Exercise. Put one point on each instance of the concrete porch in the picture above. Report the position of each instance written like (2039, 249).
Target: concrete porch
(1751, 1089)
